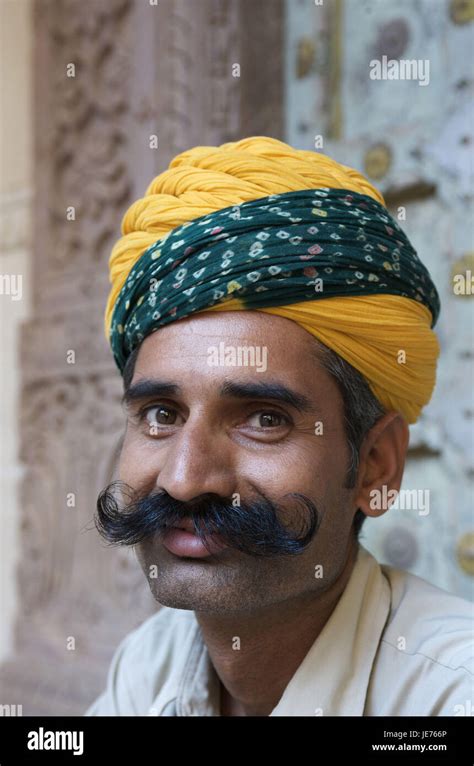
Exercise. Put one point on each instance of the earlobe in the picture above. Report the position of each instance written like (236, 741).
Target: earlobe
(382, 461)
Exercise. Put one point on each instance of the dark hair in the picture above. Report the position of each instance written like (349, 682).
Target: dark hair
(129, 368)
(362, 410)
(361, 407)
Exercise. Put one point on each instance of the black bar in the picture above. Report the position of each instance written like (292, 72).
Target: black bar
(312, 740)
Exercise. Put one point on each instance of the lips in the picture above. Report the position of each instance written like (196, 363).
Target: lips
(184, 543)
(186, 524)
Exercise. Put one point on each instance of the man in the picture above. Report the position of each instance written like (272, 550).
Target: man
(273, 326)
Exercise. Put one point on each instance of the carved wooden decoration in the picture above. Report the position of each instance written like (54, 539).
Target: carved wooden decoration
(140, 69)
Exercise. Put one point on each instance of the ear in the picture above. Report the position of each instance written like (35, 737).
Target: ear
(381, 464)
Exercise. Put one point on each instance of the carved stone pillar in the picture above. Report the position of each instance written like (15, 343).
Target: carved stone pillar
(139, 69)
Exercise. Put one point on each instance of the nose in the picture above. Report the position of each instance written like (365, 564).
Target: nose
(198, 462)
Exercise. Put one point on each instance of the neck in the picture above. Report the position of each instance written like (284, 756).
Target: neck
(273, 643)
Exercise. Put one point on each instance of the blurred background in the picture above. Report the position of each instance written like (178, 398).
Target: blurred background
(87, 88)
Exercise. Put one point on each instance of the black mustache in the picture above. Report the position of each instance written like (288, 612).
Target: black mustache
(253, 528)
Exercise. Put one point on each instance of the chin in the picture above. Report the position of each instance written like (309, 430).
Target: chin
(190, 602)
(192, 595)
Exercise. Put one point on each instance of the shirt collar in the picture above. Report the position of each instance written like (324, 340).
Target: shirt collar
(334, 676)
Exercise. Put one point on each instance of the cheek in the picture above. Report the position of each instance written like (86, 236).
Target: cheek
(315, 465)
(143, 555)
(134, 468)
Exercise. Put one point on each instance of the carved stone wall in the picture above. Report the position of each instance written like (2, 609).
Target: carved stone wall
(139, 69)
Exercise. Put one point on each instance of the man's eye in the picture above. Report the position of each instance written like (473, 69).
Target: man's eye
(268, 420)
(161, 415)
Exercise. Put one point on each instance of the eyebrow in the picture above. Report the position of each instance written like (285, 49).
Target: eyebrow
(267, 390)
(277, 391)
(149, 387)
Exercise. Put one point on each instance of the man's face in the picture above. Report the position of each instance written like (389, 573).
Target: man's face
(217, 437)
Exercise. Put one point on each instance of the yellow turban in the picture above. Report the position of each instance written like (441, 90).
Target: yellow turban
(387, 337)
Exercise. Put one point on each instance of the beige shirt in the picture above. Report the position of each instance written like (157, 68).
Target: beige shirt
(395, 645)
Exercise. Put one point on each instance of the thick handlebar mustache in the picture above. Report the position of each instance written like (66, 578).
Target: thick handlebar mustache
(255, 528)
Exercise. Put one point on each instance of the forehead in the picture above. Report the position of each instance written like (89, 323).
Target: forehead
(279, 348)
